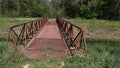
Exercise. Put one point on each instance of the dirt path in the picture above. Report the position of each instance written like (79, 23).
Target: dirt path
(48, 44)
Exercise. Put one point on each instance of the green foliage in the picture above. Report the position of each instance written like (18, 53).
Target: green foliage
(78, 10)
(101, 9)
(13, 14)
(38, 11)
(52, 12)
(84, 11)
(27, 8)
(60, 13)
(109, 9)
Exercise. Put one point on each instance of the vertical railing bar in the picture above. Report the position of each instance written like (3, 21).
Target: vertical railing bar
(84, 40)
(25, 35)
(15, 34)
(20, 34)
(7, 40)
(13, 39)
(75, 38)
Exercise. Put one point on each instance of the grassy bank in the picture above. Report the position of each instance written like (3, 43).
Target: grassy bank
(99, 29)
(100, 55)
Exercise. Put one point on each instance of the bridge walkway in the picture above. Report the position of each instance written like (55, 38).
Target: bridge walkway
(48, 44)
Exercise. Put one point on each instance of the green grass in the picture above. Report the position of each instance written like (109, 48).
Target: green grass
(5, 23)
(100, 55)
(100, 29)
(93, 24)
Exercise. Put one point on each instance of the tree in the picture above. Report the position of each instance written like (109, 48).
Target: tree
(4, 7)
(109, 9)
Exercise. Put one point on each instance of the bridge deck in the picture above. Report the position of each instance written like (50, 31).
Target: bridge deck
(48, 44)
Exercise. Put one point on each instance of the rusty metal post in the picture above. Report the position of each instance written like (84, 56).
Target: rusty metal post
(13, 40)
(25, 35)
(7, 40)
(84, 40)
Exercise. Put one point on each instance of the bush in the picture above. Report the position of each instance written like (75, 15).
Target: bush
(13, 14)
(52, 12)
(85, 11)
(71, 11)
(38, 11)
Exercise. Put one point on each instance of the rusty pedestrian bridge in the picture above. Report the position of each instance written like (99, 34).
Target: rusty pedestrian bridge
(43, 38)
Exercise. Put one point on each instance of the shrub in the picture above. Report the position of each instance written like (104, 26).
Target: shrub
(52, 12)
(13, 14)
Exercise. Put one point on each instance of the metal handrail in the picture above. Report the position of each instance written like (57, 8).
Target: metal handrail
(73, 35)
(27, 30)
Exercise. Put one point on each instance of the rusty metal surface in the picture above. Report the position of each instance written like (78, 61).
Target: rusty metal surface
(45, 48)
(50, 31)
(51, 23)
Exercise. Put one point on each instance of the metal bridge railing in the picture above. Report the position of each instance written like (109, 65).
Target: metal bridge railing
(73, 35)
(21, 33)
